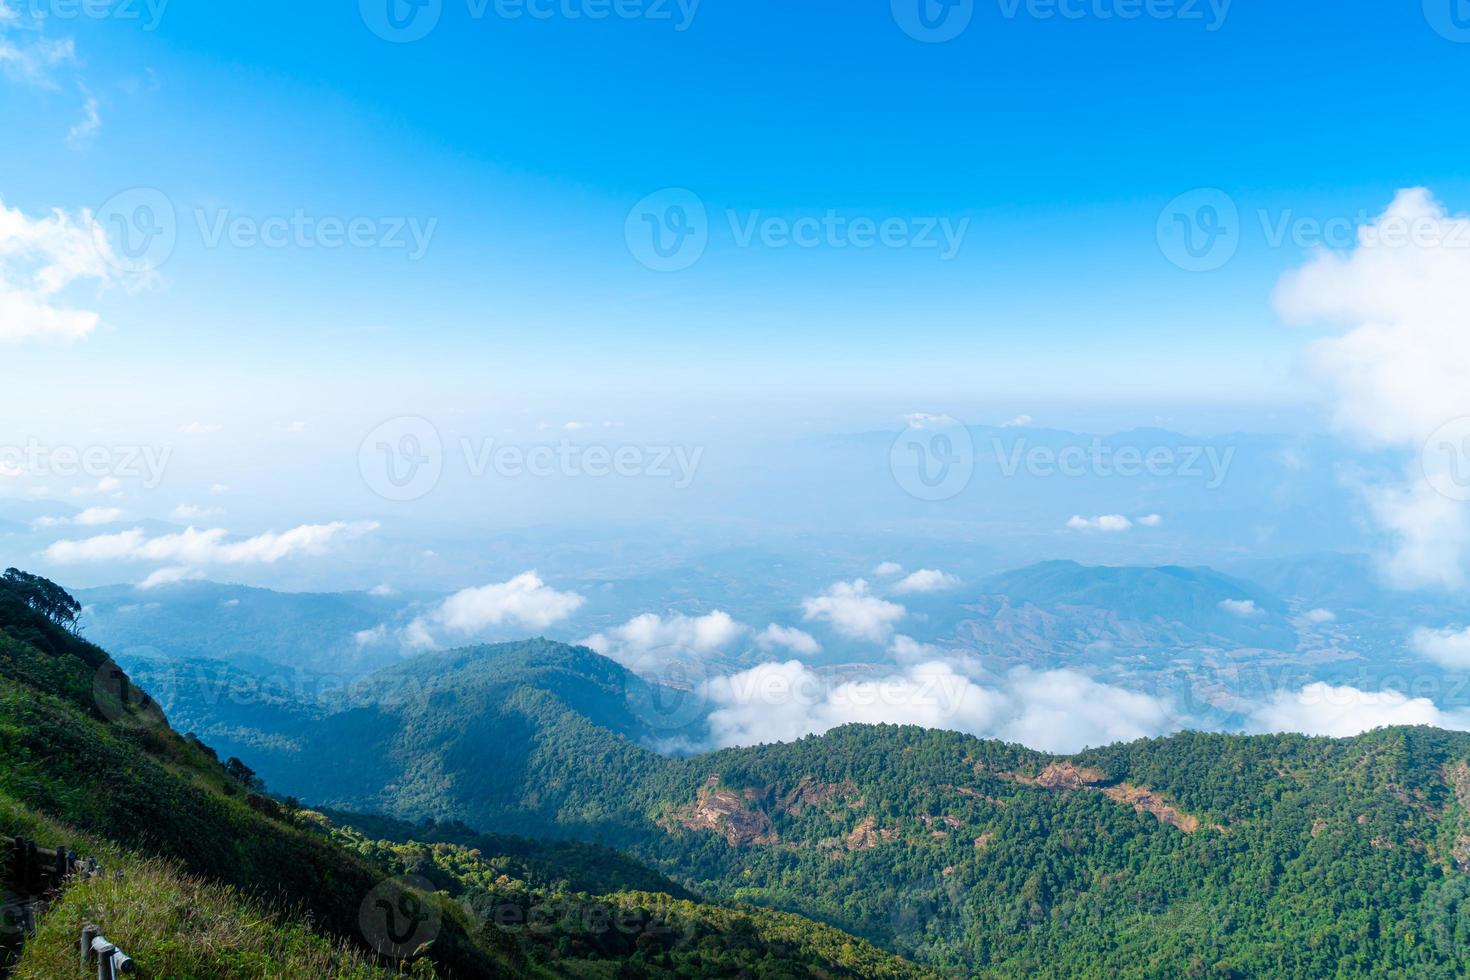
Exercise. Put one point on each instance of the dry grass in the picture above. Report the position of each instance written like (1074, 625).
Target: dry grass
(180, 928)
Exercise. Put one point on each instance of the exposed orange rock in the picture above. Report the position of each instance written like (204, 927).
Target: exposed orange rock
(728, 813)
(810, 793)
(982, 843)
(868, 835)
(1064, 775)
(1147, 801)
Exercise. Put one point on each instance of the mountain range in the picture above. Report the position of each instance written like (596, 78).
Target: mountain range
(1236, 856)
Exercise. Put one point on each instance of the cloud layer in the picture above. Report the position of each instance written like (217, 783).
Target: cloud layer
(852, 610)
(1057, 711)
(1341, 712)
(207, 547)
(1397, 374)
(649, 641)
(525, 602)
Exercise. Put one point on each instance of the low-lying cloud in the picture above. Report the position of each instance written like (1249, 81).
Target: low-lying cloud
(650, 640)
(1446, 647)
(524, 602)
(1342, 712)
(926, 580)
(852, 611)
(207, 547)
(1056, 711)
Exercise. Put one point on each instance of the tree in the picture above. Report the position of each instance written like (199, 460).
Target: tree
(45, 597)
(238, 770)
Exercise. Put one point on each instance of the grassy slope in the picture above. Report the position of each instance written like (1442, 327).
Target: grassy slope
(72, 751)
(155, 905)
(217, 880)
(1314, 854)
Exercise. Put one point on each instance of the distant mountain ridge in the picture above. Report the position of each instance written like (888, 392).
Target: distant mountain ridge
(1245, 853)
(207, 876)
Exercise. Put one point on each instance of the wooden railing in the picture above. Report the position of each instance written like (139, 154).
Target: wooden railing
(31, 875)
(111, 961)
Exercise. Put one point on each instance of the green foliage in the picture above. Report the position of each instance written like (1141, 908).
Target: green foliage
(78, 748)
(45, 597)
(1303, 856)
(634, 933)
(221, 881)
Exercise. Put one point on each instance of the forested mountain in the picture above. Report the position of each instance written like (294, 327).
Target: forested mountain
(1199, 854)
(1209, 855)
(206, 876)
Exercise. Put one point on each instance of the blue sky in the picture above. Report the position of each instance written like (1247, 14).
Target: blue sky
(1054, 141)
(529, 140)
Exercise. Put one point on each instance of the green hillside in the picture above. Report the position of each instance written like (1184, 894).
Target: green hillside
(1209, 855)
(207, 877)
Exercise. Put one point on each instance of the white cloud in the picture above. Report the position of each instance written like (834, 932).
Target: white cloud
(1019, 422)
(926, 580)
(922, 420)
(28, 58)
(1448, 647)
(40, 259)
(209, 547)
(650, 640)
(382, 591)
(191, 512)
(1108, 523)
(1319, 617)
(906, 649)
(1341, 712)
(1244, 608)
(888, 569)
(525, 602)
(1064, 711)
(170, 576)
(373, 637)
(90, 123)
(788, 638)
(1059, 711)
(784, 702)
(108, 484)
(91, 517)
(854, 612)
(1397, 374)
(1151, 520)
